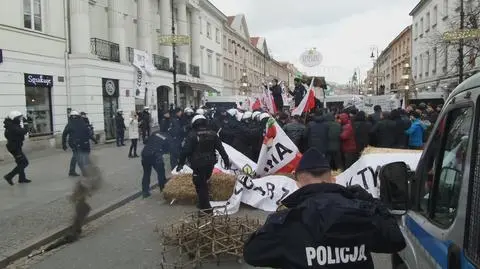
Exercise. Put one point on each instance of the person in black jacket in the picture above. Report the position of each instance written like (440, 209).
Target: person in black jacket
(362, 131)
(120, 127)
(324, 225)
(145, 121)
(317, 133)
(299, 91)
(79, 136)
(152, 157)
(384, 131)
(15, 135)
(177, 134)
(200, 149)
(277, 95)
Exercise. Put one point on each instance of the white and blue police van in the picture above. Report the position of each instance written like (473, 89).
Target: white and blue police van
(438, 204)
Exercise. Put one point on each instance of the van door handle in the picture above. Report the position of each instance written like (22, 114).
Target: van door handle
(454, 256)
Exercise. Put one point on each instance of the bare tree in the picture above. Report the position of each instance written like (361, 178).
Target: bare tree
(448, 49)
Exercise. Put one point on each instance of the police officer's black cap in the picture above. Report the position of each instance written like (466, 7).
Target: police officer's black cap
(312, 160)
(177, 110)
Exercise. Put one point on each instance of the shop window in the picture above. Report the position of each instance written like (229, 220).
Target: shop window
(32, 14)
(39, 110)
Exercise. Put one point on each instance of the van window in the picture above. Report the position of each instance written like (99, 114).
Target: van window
(443, 184)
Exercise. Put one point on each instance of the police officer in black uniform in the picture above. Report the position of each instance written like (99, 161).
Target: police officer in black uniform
(78, 134)
(200, 146)
(152, 157)
(177, 134)
(324, 225)
(15, 135)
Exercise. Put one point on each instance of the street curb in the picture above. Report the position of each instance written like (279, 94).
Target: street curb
(24, 251)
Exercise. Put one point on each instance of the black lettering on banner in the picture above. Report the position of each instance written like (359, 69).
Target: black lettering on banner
(364, 179)
(349, 182)
(270, 189)
(236, 192)
(282, 150)
(261, 190)
(244, 180)
(375, 174)
(285, 193)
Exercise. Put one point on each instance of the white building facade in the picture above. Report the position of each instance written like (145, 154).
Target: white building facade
(58, 57)
(434, 68)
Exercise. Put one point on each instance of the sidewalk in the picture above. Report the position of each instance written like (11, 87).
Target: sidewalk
(31, 211)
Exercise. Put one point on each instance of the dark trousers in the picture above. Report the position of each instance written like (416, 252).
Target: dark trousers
(335, 159)
(133, 147)
(80, 158)
(120, 138)
(201, 175)
(145, 134)
(349, 158)
(278, 103)
(21, 161)
(155, 162)
(175, 148)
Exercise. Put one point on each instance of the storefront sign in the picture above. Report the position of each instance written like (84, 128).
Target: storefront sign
(311, 58)
(110, 87)
(34, 80)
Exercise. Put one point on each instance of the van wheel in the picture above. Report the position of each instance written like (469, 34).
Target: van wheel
(401, 266)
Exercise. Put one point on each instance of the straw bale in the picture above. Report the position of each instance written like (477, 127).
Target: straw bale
(370, 150)
(180, 187)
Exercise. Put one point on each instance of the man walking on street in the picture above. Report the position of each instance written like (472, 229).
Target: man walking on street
(120, 124)
(146, 120)
(152, 157)
(15, 135)
(79, 136)
(200, 148)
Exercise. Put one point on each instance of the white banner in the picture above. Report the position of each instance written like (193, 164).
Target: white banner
(144, 67)
(140, 83)
(277, 150)
(266, 192)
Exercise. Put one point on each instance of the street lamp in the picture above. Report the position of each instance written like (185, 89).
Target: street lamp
(375, 65)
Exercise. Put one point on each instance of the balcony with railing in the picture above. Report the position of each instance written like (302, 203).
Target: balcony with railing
(195, 71)
(105, 50)
(181, 68)
(130, 54)
(161, 63)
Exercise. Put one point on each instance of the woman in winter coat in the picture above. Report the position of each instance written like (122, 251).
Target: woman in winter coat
(133, 134)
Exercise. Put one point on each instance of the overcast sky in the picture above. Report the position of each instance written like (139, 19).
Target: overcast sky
(343, 31)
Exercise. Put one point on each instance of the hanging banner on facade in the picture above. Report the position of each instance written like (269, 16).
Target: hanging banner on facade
(144, 68)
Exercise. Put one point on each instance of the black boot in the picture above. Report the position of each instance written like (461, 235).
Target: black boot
(24, 180)
(8, 179)
(73, 174)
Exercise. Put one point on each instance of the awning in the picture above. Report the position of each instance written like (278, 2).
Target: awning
(197, 86)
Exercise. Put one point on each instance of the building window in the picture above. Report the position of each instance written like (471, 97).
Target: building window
(427, 63)
(445, 62)
(200, 21)
(209, 30)
(210, 64)
(421, 66)
(218, 67)
(225, 71)
(421, 27)
(427, 26)
(32, 14)
(217, 35)
(445, 8)
(230, 72)
(230, 45)
(39, 110)
(415, 31)
(435, 15)
(435, 55)
(224, 42)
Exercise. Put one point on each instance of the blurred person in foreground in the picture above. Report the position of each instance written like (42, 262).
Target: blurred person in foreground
(200, 148)
(15, 135)
(324, 225)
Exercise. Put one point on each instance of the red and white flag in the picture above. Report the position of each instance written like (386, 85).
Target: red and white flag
(278, 154)
(256, 105)
(307, 103)
(268, 101)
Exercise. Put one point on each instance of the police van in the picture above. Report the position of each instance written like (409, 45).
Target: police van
(438, 204)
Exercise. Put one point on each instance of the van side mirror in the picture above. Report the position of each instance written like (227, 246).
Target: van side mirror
(394, 190)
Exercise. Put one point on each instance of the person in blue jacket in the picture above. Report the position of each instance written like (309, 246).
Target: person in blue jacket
(415, 132)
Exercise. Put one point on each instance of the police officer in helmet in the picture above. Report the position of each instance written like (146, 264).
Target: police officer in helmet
(200, 148)
(324, 225)
(15, 135)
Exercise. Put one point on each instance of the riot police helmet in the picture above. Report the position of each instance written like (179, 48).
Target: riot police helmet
(14, 115)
